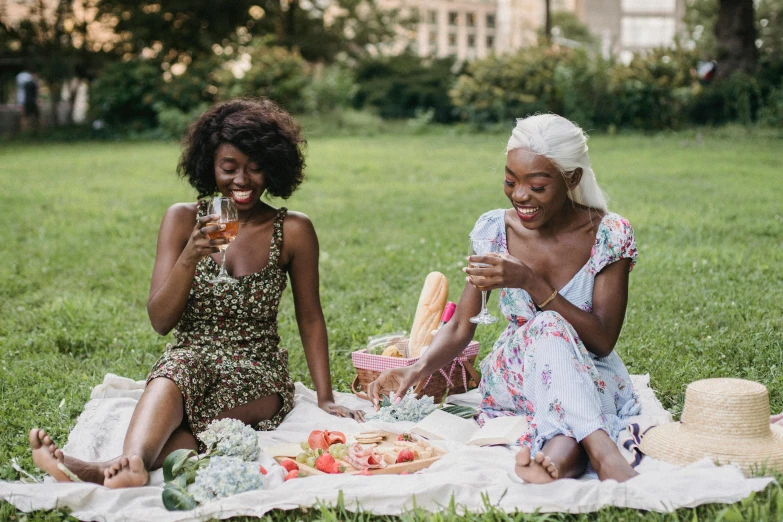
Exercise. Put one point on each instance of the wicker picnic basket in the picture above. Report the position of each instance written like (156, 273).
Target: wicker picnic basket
(458, 376)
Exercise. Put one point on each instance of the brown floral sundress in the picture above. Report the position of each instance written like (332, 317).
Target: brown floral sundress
(226, 351)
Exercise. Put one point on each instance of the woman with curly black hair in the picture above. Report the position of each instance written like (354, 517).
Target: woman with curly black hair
(226, 361)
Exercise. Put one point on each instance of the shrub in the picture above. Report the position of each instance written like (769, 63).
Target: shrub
(653, 91)
(124, 94)
(275, 73)
(567, 81)
(398, 86)
(331, 88)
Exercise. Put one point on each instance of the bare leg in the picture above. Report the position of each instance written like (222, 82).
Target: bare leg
(561, 457)
(776, 419)
(157, 416)
(606, 458)
(253, 412)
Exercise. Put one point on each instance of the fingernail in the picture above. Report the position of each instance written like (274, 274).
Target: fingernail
(397, 400)
(465, 269)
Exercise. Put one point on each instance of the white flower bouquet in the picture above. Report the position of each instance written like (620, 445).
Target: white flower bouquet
(409, 408)
(226, 468)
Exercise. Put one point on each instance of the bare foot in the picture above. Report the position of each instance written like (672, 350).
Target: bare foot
(776, 419)
(128, 472)
(539, 470)
(46, 454)
(606, 458)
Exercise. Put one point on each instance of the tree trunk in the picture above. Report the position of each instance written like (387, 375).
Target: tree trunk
(548, 21)
(735, 31)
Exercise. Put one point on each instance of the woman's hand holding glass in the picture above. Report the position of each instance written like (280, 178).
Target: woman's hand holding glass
(497, 271)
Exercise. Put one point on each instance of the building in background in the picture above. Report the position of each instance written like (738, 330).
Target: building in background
(471, 29)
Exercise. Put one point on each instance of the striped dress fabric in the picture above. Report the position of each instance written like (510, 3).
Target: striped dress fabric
(540, 369)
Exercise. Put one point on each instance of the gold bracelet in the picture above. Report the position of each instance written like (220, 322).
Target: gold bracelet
(548, 300)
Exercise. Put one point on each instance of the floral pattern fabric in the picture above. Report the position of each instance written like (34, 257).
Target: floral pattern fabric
(540, 369)
(226, 351)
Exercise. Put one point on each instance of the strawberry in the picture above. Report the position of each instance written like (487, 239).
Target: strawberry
(325, 463)
(294, 473)
(289, 465)
(406, 437)
(405, 455)
(365, 473)
(262, 470)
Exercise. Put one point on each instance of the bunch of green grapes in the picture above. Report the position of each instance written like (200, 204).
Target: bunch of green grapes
(309, 455)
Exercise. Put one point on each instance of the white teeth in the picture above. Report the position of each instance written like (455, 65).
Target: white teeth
(242, 195)
(528, 210)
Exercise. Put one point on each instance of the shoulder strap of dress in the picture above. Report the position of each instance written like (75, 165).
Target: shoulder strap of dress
(277, 235)
(202, 207)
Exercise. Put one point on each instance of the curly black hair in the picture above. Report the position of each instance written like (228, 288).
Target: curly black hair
(257, 127)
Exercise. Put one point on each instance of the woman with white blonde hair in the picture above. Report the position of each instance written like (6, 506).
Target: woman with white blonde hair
(562, 273)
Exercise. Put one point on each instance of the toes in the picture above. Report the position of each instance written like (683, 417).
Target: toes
(523, 456)
(58, 454)
(35, 442)
(540, 457)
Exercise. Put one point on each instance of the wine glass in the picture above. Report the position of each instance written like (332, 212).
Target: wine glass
(227, 210)
(482, 247)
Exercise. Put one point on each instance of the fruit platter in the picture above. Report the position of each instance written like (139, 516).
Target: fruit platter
(365, 453)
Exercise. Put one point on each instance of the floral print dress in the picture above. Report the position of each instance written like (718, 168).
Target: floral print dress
(540, 369)
(226, 351)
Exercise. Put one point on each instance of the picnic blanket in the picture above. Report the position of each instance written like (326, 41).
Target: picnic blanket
(471, 475)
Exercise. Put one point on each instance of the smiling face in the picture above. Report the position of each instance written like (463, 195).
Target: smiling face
(536, 187)
(237, 176)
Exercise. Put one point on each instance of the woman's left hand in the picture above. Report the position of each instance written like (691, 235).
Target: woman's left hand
(504, 271)
(341, 411)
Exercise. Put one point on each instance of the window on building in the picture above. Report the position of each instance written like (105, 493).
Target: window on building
(453, 17)
(649, 6)
(647, 31)
(452, 40)
(490, 42)
(432, 17)
(471, 40)
(491, 21)
(433, 38)
(470, 19)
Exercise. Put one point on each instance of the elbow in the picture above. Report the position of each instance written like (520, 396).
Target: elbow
(603, 348)
(159, 324)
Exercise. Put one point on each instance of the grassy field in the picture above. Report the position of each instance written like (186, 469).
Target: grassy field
(706, 296)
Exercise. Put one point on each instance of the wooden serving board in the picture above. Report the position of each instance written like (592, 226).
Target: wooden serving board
(388, 443)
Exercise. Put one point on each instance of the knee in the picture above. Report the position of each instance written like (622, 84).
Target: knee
(549, 320)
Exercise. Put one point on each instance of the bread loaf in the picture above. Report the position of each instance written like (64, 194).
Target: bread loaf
(431, 303)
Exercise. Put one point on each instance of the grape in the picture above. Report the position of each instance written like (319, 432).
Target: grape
(304, 445)
(301, 458)
(310, 461)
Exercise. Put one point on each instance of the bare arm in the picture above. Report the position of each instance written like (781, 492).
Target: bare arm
(181, 245)
(448, 344)
(301, 243)
(598, 329)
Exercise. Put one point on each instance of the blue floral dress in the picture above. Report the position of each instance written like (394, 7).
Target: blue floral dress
(540, 369)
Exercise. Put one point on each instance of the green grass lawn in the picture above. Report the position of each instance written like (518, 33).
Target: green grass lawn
(706, 296)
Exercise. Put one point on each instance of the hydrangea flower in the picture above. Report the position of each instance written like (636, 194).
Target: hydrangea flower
(409, 409)
(231, 438)
(225, 476)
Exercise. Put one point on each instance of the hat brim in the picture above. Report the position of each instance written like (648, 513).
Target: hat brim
(675, 445)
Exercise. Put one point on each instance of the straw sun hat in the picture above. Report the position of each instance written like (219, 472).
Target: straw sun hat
(724, 419)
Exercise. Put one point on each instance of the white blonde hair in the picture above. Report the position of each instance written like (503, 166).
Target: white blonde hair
(564, 144)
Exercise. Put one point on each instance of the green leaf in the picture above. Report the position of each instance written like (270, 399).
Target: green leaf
(174, 462)
(177, 499)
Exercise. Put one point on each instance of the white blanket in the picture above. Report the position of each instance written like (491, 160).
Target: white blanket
(466, 473)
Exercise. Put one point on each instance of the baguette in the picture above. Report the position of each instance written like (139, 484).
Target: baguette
(431, 304)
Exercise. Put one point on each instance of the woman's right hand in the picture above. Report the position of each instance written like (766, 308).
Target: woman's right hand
(397, 380)
(199, 245)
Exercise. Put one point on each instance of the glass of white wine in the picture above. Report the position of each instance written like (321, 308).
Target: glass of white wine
(482, 247)
(227, 210)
